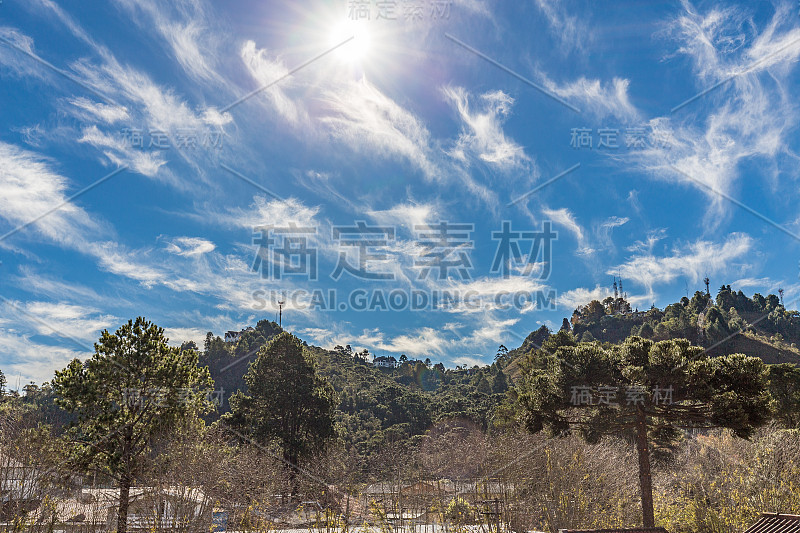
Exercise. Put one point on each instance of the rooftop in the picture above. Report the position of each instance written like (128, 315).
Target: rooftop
(776, 523)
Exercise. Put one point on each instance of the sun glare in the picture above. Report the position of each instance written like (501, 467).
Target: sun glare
(356, 50)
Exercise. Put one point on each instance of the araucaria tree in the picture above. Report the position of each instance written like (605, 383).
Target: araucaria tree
(643, 390)
(134, 388)
(286, 402)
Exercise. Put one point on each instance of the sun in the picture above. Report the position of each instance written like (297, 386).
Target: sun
(357, 50)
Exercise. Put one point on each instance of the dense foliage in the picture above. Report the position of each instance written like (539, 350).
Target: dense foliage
(344, 421)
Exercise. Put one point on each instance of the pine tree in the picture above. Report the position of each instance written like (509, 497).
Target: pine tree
(132, 389)
(500, 383)
(286, 403)
(645, 389)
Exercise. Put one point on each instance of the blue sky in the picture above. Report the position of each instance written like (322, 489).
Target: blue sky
(150, 154)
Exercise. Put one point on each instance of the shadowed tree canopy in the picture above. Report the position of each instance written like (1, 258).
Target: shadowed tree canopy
(286, 403)
(784, 386)
(642, 388)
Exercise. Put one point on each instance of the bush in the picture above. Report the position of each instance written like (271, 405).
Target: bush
(459, 511)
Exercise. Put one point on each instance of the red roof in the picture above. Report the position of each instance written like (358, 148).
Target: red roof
(776, 523)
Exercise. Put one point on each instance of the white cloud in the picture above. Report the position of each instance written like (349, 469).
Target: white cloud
(602, 100)
(97, 111)
(564, 217)
(760, 283)
(177, 335)
(407, 215)
(693, 261)
(269, 211)
(30, 189)
(116, 259)
(14, 60)
(374, 125)
(748, 117)
(568, 29)
(190, 246)
(25, 360)
(481, 338)
(602, 230)
(578, 296)
(67, 320)
(428, 341)
(22, 352)
(120, 153)
(266, 70)
(138, 100)
(646, 246)
(482, 135)
(40, 284)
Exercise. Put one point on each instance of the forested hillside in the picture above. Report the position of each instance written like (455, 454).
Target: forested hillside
(730, 323)
(374, 405)
(379, 405)
(355, 420)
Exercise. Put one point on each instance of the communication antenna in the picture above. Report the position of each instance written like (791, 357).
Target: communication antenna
(280, 313)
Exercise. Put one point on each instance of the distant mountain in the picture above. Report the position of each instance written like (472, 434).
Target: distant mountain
(730, 323)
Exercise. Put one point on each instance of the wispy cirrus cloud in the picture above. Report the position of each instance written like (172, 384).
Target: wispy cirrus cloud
(190, 246)
(742, 110)
(131, 99)
(578, 296)
(265, 69)
(476, 341)
(693, 261)
(569, 29)
(185, 28)
(600, 99)
(68, 320)
(564, 217)
(92, 111)
(370, 123)
(408, 215)
(482, 135)
(31, 188)
(26, 360)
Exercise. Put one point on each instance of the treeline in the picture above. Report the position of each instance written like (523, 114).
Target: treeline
(298, 423)
(374, 406)
(703, 319)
